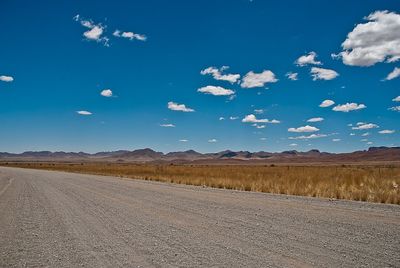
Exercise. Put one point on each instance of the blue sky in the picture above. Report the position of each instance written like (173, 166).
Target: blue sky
(54, 64)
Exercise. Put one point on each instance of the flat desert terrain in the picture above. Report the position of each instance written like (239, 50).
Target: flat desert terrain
(57, 219)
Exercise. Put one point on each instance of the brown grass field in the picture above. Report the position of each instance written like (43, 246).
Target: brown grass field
(362, 183)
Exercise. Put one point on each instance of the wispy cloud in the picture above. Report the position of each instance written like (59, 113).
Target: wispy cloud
(84, 112)
(292, 76)
(312, 136)
(387, 131)
(315, 119)
(217, 74)
(212, 140)
(129, 35)
(167, 125)
(393, 74)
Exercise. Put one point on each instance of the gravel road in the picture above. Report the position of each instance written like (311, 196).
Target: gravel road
(57, 219)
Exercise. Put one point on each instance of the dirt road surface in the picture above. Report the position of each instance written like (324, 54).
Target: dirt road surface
(56, 219)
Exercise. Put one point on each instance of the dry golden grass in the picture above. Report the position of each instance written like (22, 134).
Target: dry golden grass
(362, 183)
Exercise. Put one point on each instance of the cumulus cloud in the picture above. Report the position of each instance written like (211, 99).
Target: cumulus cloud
(83, 112)
(376, 40)
(292, 76)
(217, 74)
(6, 78)
(179, 107)
(387, 131)
(216, 91)
(363, 126)
(397, 99)
(212, 140)
(309, 59)
(167, 125)
(393, 74)
(106, 93)
(394, 109)
(323, 74)
(95, 31)
(315, 119)
(251, 79)
(251, 118)
(348, 107)
(312, 136)
(326, 103)
(130, 35)
(306, 128)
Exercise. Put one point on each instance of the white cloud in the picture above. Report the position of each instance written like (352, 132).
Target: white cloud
(95, 31)
(323, 74)
(306, 128)
(251, 118)
(396, 99)
(308, 59)
(394, 74)
(363, 126)
(259, 111)
(216, 91)
(233, 117)
(251, 79)
(348, 107)
(387, 131)
(365, 134)
(394, 109)
(315, 119)
(183, 140)
(130, 35)
(212, 140)
(83, 112)
(179, 107)
(221, 118)
(167, 125)
(364, 140)
(335, 140)
(292, 76)
(326, 103)
(258, 126)
(6, 78)
(312, 136)
(106, 93)
(370, 142)
(217, 74)
(263, 139)
(375, 41)
(352, 134)
(293, 144)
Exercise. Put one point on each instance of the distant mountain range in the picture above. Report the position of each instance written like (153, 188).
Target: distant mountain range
(373, 154)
